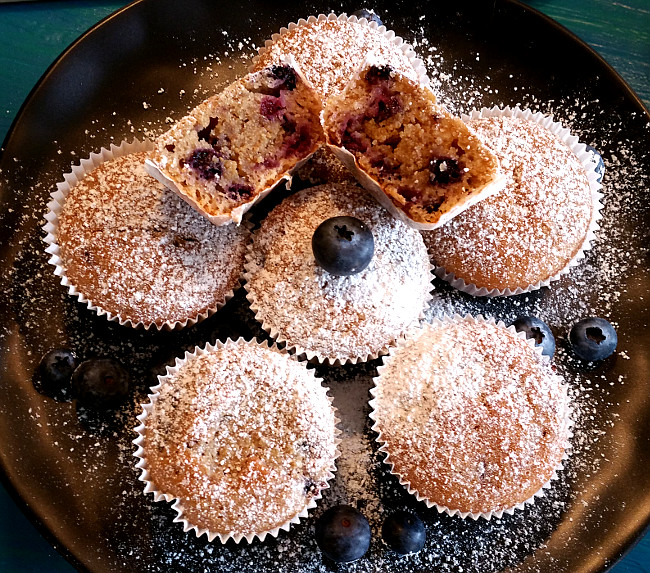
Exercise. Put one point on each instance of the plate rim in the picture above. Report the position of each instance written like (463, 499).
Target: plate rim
(619, 82)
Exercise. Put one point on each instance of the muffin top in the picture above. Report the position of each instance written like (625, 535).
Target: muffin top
(243, 436)
(532, 229)
(139, 252)
(329, 51)
(471, 416)
(328, 317)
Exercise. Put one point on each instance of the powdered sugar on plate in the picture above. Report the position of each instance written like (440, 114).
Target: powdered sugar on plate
(89, 462)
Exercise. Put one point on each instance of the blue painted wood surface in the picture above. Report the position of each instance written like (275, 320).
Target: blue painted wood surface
(32, 35)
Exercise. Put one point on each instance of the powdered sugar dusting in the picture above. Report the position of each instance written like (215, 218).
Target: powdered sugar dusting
(340, 318)
(329, 50)
(471, 417)
(139, 252)
(97, 462)
(243, 436)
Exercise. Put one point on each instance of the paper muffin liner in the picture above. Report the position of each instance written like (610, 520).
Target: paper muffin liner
(235, 215)
(589, 163)
(350, 161)
(51, 228)
(405, 48)
(385, 449)
(300, 350)
(177, 505)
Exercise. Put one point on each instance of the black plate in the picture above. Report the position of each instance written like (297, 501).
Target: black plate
(76, 474)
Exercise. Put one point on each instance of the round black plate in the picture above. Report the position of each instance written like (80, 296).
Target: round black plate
(153, 61)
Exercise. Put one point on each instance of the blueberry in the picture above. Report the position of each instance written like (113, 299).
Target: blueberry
(343, 246)
(343, 534)
(377, 74)
(600, 164)
(239, 192)
(205, 162)
(534, 328)
(271, 107)
(368, 15)
(593, 338)
(55, 370)
(385, 107)
(404, 532)
(286, 76)
(100, 383)
(444, 170)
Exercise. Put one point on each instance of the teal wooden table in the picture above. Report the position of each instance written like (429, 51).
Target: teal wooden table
(32, 35)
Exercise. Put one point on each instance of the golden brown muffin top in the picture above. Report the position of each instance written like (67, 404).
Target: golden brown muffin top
(471, 416)
(139, 252)
(329, 51)
(243, 435)
(328, 316)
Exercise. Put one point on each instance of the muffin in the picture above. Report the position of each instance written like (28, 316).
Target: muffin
(421, 163)
(471, 416)
(133, 250)
(242, 436)
(538, 226)
(329, 50)
(236, 146)
(319, 315)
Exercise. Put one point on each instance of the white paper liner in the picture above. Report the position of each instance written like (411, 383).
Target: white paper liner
(349, 160)
(399, 43)
(301, 350)
(442, 508)
(589, 163)
(235, 215)
(177, 505)
(55, 207)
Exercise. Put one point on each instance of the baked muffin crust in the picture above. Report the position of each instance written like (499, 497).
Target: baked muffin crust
(471, 416)
(140, 253)
(243, 436)
(327, 317)
(528, 232)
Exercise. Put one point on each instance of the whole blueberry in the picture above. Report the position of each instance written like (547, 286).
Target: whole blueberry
(593, 338)
(368, 15)
(56, 368)
(343, 534)
(600, 164)
(343, 246)
(404, 532)
(538, 330)
(100, 383)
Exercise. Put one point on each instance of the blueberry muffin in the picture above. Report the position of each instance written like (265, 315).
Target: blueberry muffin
(472, 417)
(233, 148)
(324, 316)
(329, 50)
(422, 163)
(242, 436)
(134, 251)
